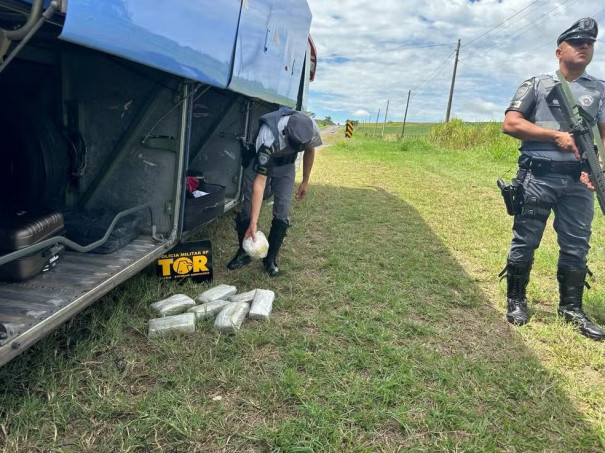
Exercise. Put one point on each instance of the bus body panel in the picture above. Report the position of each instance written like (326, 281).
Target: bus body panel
(192, 39)
(270, 50)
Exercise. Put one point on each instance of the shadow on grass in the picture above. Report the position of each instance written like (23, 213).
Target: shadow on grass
(398, 327)
(379, 341)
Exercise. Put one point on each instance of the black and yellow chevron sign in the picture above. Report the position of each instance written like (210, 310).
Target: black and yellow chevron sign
(349, 129)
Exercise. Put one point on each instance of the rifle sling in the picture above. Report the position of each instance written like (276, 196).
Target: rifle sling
(574, 105)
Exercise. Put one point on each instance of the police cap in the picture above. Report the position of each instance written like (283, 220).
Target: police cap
(299, 130)
(583, 29)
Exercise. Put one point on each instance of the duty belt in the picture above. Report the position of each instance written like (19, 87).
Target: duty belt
(539, 166)
(283, 160)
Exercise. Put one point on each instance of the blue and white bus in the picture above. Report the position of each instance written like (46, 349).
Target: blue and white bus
(106, 107)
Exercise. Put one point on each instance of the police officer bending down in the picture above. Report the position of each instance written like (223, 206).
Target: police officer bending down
(281, 136)
(551, 175)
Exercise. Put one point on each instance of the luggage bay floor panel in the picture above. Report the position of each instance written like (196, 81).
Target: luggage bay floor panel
(80, 277)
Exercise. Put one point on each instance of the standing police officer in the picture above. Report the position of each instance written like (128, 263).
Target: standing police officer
(281, 136)
(550, 173)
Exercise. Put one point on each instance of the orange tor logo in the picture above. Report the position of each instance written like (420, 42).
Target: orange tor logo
(184, 265)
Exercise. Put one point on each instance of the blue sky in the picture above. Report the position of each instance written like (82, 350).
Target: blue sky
(371, 52)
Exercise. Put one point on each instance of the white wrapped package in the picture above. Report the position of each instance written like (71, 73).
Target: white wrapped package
(230, 319)
(243, 297)
(209, 309)
(174, 305)
(262, 304)
(221, 292)
(256, 249)
(171, 325)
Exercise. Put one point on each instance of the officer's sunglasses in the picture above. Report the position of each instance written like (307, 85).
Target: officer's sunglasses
(579, 42)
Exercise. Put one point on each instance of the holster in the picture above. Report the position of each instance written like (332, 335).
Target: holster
(512, 193)
(248, 152)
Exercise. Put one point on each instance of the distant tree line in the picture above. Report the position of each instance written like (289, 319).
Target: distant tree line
(327, 121)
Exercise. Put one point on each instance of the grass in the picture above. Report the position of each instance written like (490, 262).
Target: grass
(392, 130)
(388, 333)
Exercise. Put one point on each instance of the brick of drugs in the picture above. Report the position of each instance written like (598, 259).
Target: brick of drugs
(262, 304)
(231, 317)
(209, 309)
(171, 325)
(221, 291)
(173, 305)
(243, 297)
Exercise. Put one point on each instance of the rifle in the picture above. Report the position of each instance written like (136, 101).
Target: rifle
(582, 123)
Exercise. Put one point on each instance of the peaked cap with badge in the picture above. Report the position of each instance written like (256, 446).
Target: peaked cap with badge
(299, 129)
(586, 28)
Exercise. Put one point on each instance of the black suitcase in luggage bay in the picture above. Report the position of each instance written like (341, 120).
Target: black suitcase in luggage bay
(20, 229)
(205, 208)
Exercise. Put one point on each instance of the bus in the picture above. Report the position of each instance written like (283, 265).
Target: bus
(107, 110)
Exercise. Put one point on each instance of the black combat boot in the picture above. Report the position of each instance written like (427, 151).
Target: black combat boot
(517, 277)
(241, 258)
(275, 239)
(571, 286)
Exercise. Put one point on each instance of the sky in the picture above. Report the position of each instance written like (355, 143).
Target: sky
(371, 52)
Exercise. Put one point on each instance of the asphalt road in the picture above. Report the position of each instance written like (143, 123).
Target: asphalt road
(331, 129)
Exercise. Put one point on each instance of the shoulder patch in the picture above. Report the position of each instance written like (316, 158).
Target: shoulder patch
(263, 158)
(522, 90)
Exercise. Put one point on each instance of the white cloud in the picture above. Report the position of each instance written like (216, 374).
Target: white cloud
(371, 52)
(361, 113)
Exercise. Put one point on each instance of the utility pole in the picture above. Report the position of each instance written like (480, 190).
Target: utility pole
(406, 113)
(385, 118)
(376, 125)
(449, 102)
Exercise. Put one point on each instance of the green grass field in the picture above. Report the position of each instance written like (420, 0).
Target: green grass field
(393, 129)
(388, 331)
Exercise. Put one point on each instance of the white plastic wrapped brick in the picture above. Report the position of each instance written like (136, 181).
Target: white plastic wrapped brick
(256, 249)
(209, 309)
(231, 317)
(218, 292)
(173, 305)
(262, 304)
(171, 325)
(243, 297)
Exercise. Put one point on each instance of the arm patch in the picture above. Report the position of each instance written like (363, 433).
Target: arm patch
(524, 99)
(263, 163)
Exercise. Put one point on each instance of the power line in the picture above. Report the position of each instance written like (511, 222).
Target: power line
(503, 22)
(436, 71)
(417, 87)
(508, 25)
(539, 20)
(523, 29)
(524, 54)
(598, 14)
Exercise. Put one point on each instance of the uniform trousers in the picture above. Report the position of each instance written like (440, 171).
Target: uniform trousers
(573, 206)
(282, 183)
